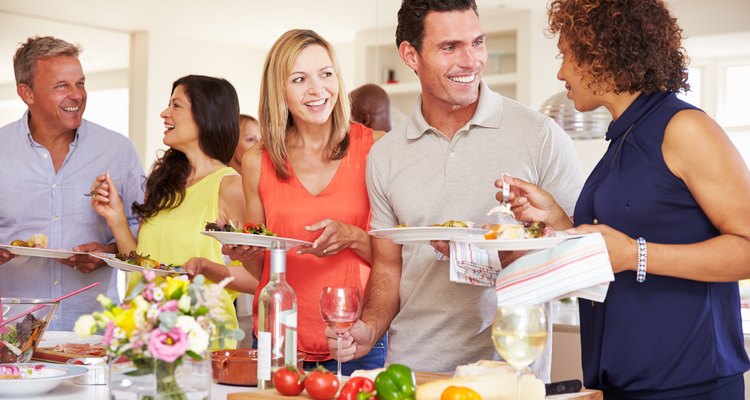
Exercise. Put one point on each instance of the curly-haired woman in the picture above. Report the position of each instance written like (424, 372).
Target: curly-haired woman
(668, 198)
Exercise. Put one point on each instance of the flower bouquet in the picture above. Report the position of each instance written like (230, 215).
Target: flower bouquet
(164, 326)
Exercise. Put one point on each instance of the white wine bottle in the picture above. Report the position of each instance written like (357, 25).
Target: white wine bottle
(277, 321)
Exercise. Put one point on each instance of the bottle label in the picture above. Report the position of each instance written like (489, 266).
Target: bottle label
(264, 356)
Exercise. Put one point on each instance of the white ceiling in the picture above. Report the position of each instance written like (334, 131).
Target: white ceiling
(102, 26)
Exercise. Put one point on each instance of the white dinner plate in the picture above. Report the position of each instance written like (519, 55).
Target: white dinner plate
(53, 338)
(522, 244)
(423, 235)
(39, 252)
(249, 239)
(114, 262)
(41, 381)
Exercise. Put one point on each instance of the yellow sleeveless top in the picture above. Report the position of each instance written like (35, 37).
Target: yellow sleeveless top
(173, 236)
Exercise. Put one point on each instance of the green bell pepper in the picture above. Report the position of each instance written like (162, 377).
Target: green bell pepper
(396, 383)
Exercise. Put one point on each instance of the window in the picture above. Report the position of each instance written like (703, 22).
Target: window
(733, 106)
(694, 95)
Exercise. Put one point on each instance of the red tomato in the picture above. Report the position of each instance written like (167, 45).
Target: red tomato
(321, 384)
(288, 381)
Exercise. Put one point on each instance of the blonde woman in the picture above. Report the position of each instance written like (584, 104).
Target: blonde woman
(308, 182)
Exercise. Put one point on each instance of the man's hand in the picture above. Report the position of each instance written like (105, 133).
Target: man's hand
(84, 262)
(357, 341)
(5, 256)
(442, 247)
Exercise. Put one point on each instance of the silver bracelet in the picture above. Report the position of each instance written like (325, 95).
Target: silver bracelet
(642, 256)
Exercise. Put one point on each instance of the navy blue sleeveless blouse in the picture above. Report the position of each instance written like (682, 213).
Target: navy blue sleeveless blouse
(666, 337)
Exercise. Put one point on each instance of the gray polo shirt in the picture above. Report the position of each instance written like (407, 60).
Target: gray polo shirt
(417, 176)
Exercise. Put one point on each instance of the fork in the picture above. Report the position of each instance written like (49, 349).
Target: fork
(503, 213)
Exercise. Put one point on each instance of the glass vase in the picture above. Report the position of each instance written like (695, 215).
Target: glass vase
(153, 379)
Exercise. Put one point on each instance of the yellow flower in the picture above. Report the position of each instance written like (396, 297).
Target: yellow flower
(175, 287)
(140, 303)
(126, 320)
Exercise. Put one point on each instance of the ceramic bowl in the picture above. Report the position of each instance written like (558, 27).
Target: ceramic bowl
(239, 366)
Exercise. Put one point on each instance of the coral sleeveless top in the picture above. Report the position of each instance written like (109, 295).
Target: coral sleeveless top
(289, 207)
(173, 236)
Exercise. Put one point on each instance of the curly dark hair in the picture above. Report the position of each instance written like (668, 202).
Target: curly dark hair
(625, 46)
(216, 111)
(412, 13)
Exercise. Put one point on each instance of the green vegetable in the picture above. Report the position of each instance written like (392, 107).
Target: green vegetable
(395, 383)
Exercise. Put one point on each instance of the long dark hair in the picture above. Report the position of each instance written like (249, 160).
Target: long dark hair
(216, 111)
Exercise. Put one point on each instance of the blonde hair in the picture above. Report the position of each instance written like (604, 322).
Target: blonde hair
(39, 48)
(274, 118)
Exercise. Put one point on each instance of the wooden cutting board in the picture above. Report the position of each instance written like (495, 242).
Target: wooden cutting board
(48, 355)
(422, 377)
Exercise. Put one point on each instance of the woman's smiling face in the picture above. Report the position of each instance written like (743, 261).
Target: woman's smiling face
(312, 87)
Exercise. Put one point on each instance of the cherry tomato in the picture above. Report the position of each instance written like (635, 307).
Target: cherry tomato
(321, 384)
(288, 381)
(250, 228)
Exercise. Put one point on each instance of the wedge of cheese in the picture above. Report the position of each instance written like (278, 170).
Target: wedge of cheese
(492, 386)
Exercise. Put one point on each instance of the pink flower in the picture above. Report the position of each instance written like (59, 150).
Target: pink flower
(149, 275)
(171, 305)
(167, 346)
(148, 292)
(109, 333)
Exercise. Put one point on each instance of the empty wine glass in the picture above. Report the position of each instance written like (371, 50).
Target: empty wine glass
(340, 308)
(519, 334)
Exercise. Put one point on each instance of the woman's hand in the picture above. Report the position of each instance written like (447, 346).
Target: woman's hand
(250, 256)
(336, 237)
(106, 200)
(531, 203)
(622, 249)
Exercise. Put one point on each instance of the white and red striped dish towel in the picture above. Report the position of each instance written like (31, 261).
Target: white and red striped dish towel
(574, 268)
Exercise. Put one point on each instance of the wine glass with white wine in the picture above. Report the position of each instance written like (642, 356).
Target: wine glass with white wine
(519, 334)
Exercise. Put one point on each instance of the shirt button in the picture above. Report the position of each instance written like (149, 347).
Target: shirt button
(452, 154)
(56, 282)
(54, 185)
(55, 219)
(45, 155)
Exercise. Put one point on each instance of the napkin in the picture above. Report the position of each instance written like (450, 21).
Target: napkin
(473, 265)
(577, 267)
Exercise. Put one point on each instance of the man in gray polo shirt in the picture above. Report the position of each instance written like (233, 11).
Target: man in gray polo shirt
(438, 165)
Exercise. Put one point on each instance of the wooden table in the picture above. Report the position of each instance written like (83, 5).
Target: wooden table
(422, 377)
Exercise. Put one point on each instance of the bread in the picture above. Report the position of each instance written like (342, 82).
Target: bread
(368, 373)
(492, 386)
(40, 240)
(483, 367)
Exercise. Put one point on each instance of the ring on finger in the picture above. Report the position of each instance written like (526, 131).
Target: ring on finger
(325, 251)
(75, 267)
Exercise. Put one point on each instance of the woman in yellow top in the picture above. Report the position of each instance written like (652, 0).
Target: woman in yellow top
(189, 185)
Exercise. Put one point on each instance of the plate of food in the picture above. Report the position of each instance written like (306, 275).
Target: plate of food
(250, 235)
(527, 236)
(26, 380)
(135, 262)
(449, 230)
(36, 247)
